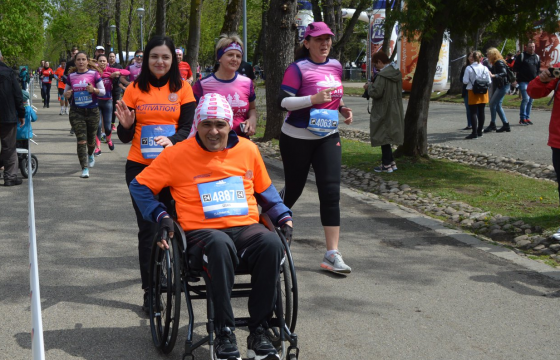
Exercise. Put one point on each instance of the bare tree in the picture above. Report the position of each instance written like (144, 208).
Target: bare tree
(232, 17)
(128, 31)
(279, 53)
(161, 17)
(118, 25)
(193, 44)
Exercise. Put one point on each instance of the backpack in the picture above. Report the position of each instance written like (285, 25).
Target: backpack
(479, 86)
(510, 75)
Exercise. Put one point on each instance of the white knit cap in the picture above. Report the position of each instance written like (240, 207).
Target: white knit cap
(211, 106)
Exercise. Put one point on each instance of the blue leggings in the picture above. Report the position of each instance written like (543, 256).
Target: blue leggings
(105, 110)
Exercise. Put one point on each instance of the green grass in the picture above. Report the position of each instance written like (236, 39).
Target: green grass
(533, 201)
(544, 259)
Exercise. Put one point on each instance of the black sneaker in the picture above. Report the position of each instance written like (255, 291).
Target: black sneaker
(522, 122)
(528, 122)
(259, 346)
(146, 303)
(225, 346)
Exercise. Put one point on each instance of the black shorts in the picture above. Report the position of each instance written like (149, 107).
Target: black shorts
(61, 92)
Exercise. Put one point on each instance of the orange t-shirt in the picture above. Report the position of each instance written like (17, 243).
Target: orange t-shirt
(186, 165)
(185, 70)
(156, 107)
(59, 73)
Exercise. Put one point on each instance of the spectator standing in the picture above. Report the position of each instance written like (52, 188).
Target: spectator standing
(23, 75)
(541, 87)
(12, 109)
(527, 66)
(465, 93)
(500, 85)
(477, 102)
(386, 124)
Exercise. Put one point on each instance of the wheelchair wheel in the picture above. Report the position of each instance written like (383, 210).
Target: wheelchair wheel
(165, 295)
(23, 165)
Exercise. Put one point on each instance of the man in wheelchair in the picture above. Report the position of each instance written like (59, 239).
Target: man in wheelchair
(217, 180)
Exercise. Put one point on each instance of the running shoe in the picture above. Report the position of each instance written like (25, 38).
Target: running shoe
(103, 137)
(97, 152)
(335, 264)
(111, 145)
(85, 173)
(259, 346)
(61, 111)
(394, 166)
(528, 122)
(91, 161)
(556, 235)
(383, 168)
(522, 122)
(225, 346)
(71, 131)
(113, 127)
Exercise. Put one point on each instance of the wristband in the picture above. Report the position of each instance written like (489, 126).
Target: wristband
(340, 107)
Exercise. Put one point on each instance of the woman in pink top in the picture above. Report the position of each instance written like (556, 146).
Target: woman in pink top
(135, 66)
(312, 93)
(237, 89)
(106, 101)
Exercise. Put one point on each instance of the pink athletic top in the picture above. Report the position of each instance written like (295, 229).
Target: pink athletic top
(304, 77)
(135, 70)
(78, 82)
(238, 91)
(108, 81)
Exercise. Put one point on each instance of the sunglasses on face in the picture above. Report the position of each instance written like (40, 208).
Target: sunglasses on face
(139, 56)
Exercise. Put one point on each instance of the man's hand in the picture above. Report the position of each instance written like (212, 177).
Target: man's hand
(167, 228)
(21, 122)
(287, 230)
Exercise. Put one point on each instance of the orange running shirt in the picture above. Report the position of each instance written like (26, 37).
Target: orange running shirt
(185, 165)
(156, 107)
(185, 70)
(59, 73)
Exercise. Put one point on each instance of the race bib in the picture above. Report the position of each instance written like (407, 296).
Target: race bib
(224, 197)
(46, 79)
(148, 147)
(82, 98)
(322, 121)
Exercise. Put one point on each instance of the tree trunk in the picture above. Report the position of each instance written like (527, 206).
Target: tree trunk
(328, 13)
(457, 49)
(118, 29)
(388, 26)
(193, 44)
(338, 48)
(128, 31)
(279, 53)
(317, 12)
(161, 17)
(261, 42)
(232, 17)
(416, 117)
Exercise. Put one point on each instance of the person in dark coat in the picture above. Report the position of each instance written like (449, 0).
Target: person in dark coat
(12, 113)
(500, 86)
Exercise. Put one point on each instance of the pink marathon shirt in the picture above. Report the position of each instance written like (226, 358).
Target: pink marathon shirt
(108, 81)
(238, 91)
(304, 77)
(78, 82)
(135, 70)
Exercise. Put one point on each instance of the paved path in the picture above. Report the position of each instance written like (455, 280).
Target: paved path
(418, 290)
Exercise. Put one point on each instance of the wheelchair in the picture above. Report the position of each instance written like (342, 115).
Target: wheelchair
(170, 276)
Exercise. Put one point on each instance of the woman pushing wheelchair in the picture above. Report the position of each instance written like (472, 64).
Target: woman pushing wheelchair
(218, 180)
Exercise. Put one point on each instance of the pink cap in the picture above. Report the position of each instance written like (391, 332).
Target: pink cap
(178, 51)
(211, 106)
(317, 29)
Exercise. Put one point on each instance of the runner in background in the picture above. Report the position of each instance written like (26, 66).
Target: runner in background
(83, 86)
(59, 74)
(135, 67)
(117, 91)
(238, 90)
(184, 67)
(106, 102)
(46, 76)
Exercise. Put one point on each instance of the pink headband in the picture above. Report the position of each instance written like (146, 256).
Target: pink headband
(211, 106)
(232, 46)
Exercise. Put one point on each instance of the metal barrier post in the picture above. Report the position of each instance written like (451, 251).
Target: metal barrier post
(37, 342)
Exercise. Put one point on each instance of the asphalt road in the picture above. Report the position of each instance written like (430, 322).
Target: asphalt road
(418, 290)
(446, 121)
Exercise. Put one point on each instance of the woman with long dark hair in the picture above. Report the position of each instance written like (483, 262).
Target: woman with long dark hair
(312, 93)
(83, 87)
(156, 111)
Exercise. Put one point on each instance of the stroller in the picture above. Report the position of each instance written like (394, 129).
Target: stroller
(24, 135)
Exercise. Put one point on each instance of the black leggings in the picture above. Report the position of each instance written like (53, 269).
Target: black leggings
(146, 229)
(46, 90)
(477, 120)
(325, 157)
(386, 154)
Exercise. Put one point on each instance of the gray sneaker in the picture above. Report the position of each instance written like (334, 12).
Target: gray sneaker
(335, 264)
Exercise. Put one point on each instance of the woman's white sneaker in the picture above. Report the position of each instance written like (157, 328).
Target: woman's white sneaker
(85, 173)
(334, 263)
